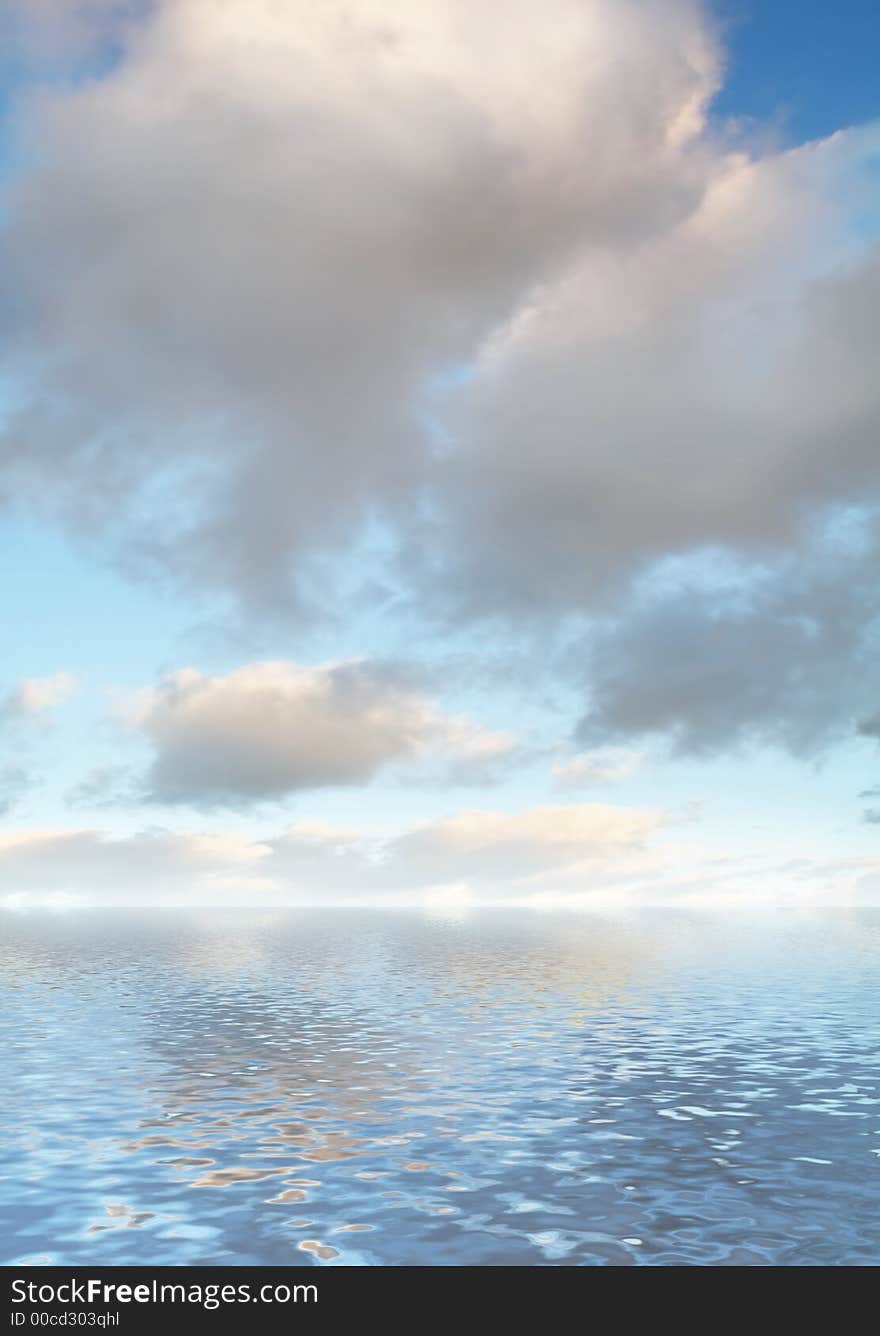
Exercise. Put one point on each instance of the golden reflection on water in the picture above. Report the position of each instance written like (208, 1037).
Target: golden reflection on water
(322, 1250)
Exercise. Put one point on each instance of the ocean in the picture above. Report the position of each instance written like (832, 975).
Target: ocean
(378, 1088)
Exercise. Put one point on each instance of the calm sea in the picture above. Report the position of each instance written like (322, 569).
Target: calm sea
(379, 1088)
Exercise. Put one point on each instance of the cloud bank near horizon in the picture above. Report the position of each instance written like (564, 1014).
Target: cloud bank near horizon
(588, 855)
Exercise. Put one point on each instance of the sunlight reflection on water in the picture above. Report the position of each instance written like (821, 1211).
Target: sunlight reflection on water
(383, 1088)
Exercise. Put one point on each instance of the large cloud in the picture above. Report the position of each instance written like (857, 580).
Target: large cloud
(242, 257)
(472, 283)
(717, 386)
(269, 729)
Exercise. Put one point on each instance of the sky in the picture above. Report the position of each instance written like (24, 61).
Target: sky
(438, 453)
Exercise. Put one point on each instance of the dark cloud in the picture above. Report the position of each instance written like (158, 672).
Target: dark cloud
(784, 654)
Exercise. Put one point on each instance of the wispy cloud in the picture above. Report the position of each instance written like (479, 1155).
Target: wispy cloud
(34, 696)
(15, 782)
(605, 765)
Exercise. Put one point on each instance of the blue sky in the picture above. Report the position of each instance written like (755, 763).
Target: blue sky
(807, 67)
(235, 287)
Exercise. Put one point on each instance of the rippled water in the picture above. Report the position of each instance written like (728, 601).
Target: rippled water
(383, 1088)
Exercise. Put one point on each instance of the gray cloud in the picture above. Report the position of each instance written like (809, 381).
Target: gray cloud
(717, 387)
(248, 251)
(48, 40)
(784, 654)
(478, 278)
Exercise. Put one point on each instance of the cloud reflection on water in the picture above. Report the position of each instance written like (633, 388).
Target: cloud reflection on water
(386, 1088)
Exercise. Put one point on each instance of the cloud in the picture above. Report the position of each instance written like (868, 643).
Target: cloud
(230, 370)
(580, 855)
(270, 729)
(482, 280)
(781, 653)
(148, 867)
(502, 845)
(315, 862)
(713, 388)
(56, 37)
(105, 786)
(35, 696)
(468, 755)
(14, 783)
(606, 765)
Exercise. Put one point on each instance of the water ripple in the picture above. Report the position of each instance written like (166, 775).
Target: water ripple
(382, 1089)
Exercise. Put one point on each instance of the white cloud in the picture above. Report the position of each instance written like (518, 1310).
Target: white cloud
(269, 729)
(585, 855)
(508, 847)
(154, 866)
(311, 861)
(36, 695)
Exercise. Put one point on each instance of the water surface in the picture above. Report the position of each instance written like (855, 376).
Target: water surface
(382, 1088)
